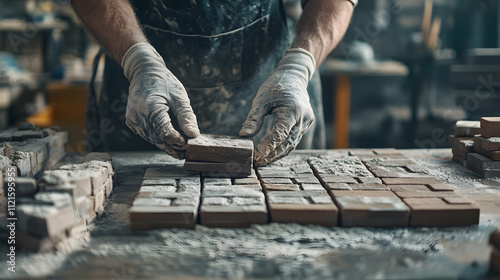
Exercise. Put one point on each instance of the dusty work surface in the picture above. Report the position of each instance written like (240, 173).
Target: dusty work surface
(274, 251)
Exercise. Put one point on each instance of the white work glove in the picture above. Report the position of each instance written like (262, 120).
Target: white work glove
(283, 94)
(153, 91)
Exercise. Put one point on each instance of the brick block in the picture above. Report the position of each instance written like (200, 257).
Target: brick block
(232, 206)
(44, 220)
(38, 244)
(409, 188)
(84, 210)
(369, 187)
(159, 182)
(410, 181)
(98, 199)
(340, 166)
(22, 161)
(327, 179)
(338, 186)
(302, 207)
(220, 149)
(246, 181)
(281, 187)
(98, 157)
(157, 217)
(369, 180)
(58, 200)
(371, 208)
(483, 165)
(230, 168)
(280, 181)
(462, 147)
(460, 160)
(490, 126)
(442, 212)
(306, 180)
(488, 144)
(76, 183)
(216, 181)
(425, 194)
(467, 128)
(275, 173)
(478, 148)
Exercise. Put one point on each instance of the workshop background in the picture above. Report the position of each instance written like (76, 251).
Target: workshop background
(397, 80)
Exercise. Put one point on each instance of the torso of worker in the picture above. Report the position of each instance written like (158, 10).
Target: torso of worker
(221, 51)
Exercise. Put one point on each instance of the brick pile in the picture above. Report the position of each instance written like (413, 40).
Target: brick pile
(476, 145)
(62, 204)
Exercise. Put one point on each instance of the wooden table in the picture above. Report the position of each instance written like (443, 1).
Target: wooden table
(343, 71)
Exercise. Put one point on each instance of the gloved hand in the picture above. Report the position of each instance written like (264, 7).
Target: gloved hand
(153, 92)
(283, 94)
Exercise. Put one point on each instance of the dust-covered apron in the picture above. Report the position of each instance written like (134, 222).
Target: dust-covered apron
(221, 51)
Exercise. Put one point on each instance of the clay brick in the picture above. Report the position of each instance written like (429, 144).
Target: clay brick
(276, 181)
(77, 184)
(58, 200)
(483, 165)
(169, 171)
(424, 194)
(311, 187)
(303, 208)
(221, 168)
(460, 160)
(409, 188)
(488, 144)
(98, 157)
(467, 128)
(44, 220)
(338, 186)
(98, 199)
(490, 126)
(232, 206)
(275, 173)
(369, 180)
(340, 166)
(410, 181)
(494, 155)
(246, 181)
(371, 208)
(226, 174)
(84, 210)
(439, 187)
(38, 244)
(216, 181)
(437, 212)
(462, 147)
(281, 187)
(157, 217)
(369, 187)
(220, 149)
(327, 179)
(159, 181)
(302, 170)
(306, 180)
(393, 162)
(22, 161)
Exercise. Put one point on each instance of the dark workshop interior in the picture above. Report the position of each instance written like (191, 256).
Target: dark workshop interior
(272, 139)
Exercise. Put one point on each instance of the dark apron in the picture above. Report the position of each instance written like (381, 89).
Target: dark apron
(221, 51)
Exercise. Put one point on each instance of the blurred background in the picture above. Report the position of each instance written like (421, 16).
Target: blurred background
(404, 73)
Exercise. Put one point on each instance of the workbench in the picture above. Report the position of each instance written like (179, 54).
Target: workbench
(109, 250)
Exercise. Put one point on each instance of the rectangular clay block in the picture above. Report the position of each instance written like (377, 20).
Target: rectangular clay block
(483, 165)
(233, 206)
(490, 126)
(467, 128)
(156, 217)
(221, 149)
(225, 169)
(493, 155)
(488, 144)
(430, 212)
(370, 209)
(302, 207)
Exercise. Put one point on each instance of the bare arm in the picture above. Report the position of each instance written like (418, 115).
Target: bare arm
(322, 26)
(112, 23)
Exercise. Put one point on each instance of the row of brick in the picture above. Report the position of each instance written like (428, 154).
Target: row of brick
(321, 190)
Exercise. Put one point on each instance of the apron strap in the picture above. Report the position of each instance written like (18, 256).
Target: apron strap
(92, 110)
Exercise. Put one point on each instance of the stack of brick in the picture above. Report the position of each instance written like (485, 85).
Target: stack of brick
(224, 155)
(64, 202)
(168, 197)
(495, 252)
(485, 160)
(31, 150)
(462, 142)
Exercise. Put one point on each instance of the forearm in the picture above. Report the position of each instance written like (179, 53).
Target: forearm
(112, 23)
(322, 26)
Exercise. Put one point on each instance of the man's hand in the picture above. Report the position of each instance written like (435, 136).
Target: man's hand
(283, 94)
(153, 92)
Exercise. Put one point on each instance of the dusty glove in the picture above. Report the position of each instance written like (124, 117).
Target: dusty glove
(153, 92)
(283, 94)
